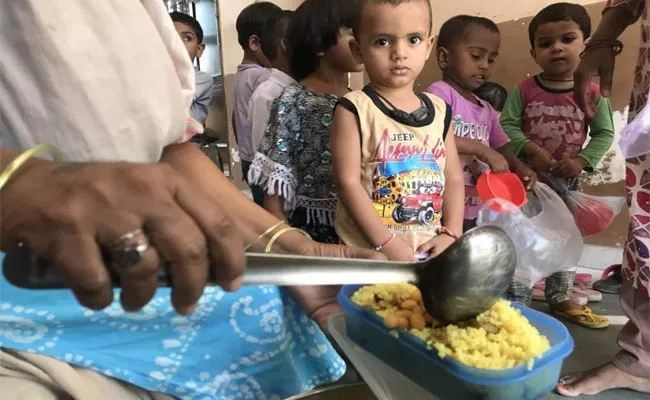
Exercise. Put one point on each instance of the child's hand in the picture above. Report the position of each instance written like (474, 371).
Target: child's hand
(495, 160)
(528, 176)
(399, 249)
(436, 245)
(569, 167)
(542, 160)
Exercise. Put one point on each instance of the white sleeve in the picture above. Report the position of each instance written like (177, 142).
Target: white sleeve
(101, 80)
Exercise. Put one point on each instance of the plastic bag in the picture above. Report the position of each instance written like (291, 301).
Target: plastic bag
(593, 214)
(635, 138)
(543, 231)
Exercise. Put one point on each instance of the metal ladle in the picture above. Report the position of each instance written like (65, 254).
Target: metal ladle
(462, 282)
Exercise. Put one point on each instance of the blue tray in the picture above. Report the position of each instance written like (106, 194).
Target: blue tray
(447, 378)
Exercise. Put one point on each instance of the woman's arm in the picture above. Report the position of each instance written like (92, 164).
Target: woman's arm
(600, 61)
(346, 158)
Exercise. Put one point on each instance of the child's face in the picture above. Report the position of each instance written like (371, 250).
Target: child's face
(395, 42)
(340, 55)
(188, 36)
(469, 62)
(557, 48)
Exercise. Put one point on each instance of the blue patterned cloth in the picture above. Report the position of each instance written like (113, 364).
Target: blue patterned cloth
(256, 343)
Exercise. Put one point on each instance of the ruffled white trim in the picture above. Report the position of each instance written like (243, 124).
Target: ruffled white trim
(321, 211)
(269, 174)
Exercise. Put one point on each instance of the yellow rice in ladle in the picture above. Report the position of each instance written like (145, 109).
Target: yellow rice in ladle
(500, 338)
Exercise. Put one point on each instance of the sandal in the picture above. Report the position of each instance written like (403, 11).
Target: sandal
(582, 279)
(580, 298)
(611, 280)
(584, 317)
(591, 295)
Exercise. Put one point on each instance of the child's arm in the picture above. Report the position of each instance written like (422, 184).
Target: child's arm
(475, 148)
(346, 158)
(204, 89)
(453, 200)
(499, 140)
(520, 145)
(601, 130)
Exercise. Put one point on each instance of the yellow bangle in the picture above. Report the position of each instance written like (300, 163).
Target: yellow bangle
(23, 157)
(277, 235)
(266, 232)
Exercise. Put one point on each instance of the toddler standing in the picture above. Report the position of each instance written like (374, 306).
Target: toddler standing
(294, 162)
(549, 130)
(467, 48)
(396, 166)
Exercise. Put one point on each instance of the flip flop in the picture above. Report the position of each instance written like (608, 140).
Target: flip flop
(611, 280)
(584, 317)
(583, 279)
(592, 296)
(578, 298)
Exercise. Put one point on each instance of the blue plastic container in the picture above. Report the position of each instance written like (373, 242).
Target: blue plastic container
(447, 378)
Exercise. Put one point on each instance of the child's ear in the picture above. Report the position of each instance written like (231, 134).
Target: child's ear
(254, 43)
(533, 54)
(430, 42)
(355, 48)
(200, 49)
(442, 56)
(283, 45)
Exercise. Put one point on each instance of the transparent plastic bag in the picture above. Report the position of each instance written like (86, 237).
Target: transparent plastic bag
(593, 214)
(635, 138)
(543, 231)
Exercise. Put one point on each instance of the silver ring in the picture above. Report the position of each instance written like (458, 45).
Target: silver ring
(562, 381)
(128, 249)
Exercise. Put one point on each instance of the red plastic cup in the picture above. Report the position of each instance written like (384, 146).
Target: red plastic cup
(505, 186)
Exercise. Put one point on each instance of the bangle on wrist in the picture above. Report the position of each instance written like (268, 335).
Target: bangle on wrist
(614, 44)
(24, 157)
(445, 231)
(385, 243)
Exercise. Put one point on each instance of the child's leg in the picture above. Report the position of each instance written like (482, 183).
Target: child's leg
(558, 287)
(558, 290)
(519, 293)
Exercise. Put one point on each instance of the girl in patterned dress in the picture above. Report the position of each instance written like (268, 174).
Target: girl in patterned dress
(630, 368)
(294, 163)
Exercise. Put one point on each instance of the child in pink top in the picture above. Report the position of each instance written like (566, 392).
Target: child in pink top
(466, 49)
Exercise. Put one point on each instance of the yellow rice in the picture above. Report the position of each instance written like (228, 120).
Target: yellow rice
(500, 338)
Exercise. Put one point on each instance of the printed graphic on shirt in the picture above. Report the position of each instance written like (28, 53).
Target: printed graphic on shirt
(408, 183)
(471, 130)
(557, 128)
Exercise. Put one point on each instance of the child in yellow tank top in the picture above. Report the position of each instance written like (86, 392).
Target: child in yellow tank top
(397, 172)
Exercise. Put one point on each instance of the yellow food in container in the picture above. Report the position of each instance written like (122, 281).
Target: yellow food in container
(500, 338)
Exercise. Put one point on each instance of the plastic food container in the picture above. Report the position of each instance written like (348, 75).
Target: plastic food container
(447, 378)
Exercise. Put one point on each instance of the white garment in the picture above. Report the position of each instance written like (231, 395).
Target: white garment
(101, 80)
(259, 105)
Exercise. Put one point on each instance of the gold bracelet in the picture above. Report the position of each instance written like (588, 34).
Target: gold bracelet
(266, 232)
(277, 235)
(23, 157)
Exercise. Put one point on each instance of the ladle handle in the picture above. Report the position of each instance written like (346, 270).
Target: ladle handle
(22, 269)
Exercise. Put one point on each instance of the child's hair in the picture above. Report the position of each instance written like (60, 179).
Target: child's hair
(189, 21)
(493, 93)
(252, 19)
(314, 28)
(362, 3)
(560, 12)
(274, 31)
(454, 29)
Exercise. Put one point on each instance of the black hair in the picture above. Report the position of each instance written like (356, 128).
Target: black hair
(454, 29)
(362, 3)
(493, 93)
(274, 31)
(314, 28)
(252, 19)
(560, 12)
(189, 21)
